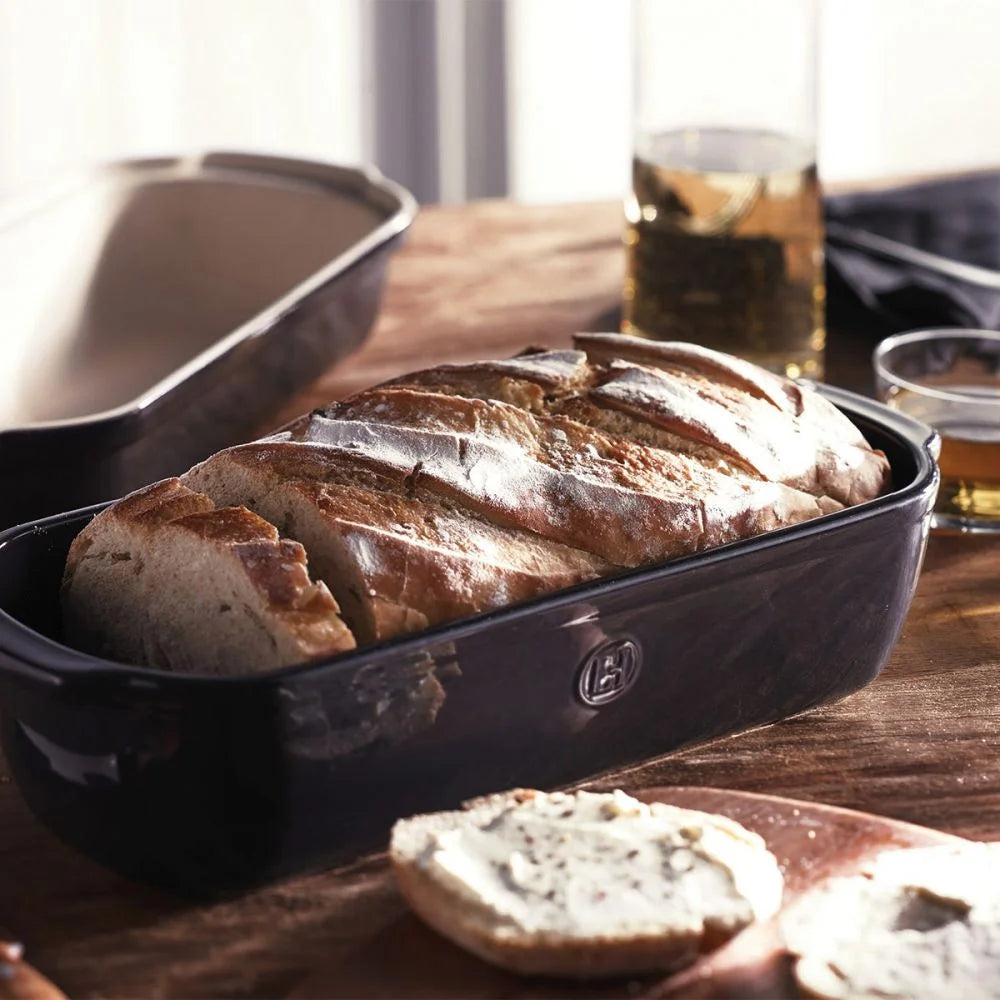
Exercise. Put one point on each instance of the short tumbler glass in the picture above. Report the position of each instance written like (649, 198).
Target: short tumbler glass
(950, 379)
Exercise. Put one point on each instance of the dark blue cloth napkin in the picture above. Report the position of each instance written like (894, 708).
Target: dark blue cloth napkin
(947, 222)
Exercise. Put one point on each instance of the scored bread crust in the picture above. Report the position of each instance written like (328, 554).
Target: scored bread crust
(559, 478)
(722, 410)
(479, 929)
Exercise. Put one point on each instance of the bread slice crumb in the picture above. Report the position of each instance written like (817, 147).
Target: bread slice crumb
(166, 579)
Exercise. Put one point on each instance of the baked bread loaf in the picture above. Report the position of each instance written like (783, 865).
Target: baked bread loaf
(920, 923)
(465, 488)
(583, 884)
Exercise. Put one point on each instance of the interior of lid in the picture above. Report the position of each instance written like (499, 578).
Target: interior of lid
(112, 287)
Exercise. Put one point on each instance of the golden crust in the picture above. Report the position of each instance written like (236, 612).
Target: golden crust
(723, 412)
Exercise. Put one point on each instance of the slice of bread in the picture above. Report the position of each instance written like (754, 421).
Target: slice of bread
(395, 562)
(166, 579)
(920, 923)
(583, 884)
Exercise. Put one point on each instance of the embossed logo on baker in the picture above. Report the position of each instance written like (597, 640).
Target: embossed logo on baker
(608, 672)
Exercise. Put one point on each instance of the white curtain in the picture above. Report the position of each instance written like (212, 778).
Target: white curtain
(908, 86)
(86, 80)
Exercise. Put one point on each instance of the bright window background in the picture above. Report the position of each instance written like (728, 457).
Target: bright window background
(86, 80)
(908, 86)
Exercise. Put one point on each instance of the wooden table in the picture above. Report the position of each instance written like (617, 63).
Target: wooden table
(921, 743)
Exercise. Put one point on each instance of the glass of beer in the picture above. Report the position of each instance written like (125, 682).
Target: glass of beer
(723, 229)
(950, 379)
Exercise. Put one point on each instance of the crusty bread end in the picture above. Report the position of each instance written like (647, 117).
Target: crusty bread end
(166, 579)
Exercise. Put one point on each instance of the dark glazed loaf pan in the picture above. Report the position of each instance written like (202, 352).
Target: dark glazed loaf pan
(158, 310)
(209, 785)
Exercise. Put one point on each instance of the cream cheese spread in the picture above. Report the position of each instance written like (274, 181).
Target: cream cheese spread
(925, 923)
(587, 865)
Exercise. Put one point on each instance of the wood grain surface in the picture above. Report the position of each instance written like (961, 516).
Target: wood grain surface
(920, 744)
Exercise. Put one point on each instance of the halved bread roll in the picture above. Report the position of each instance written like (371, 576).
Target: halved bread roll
(583, 884)
(920, 923)
(166, 579)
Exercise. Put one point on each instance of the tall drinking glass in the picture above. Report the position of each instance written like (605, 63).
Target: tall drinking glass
(723, 227)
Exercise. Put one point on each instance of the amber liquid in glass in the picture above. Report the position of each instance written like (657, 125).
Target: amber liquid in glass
(970, 451)
(724, 246)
